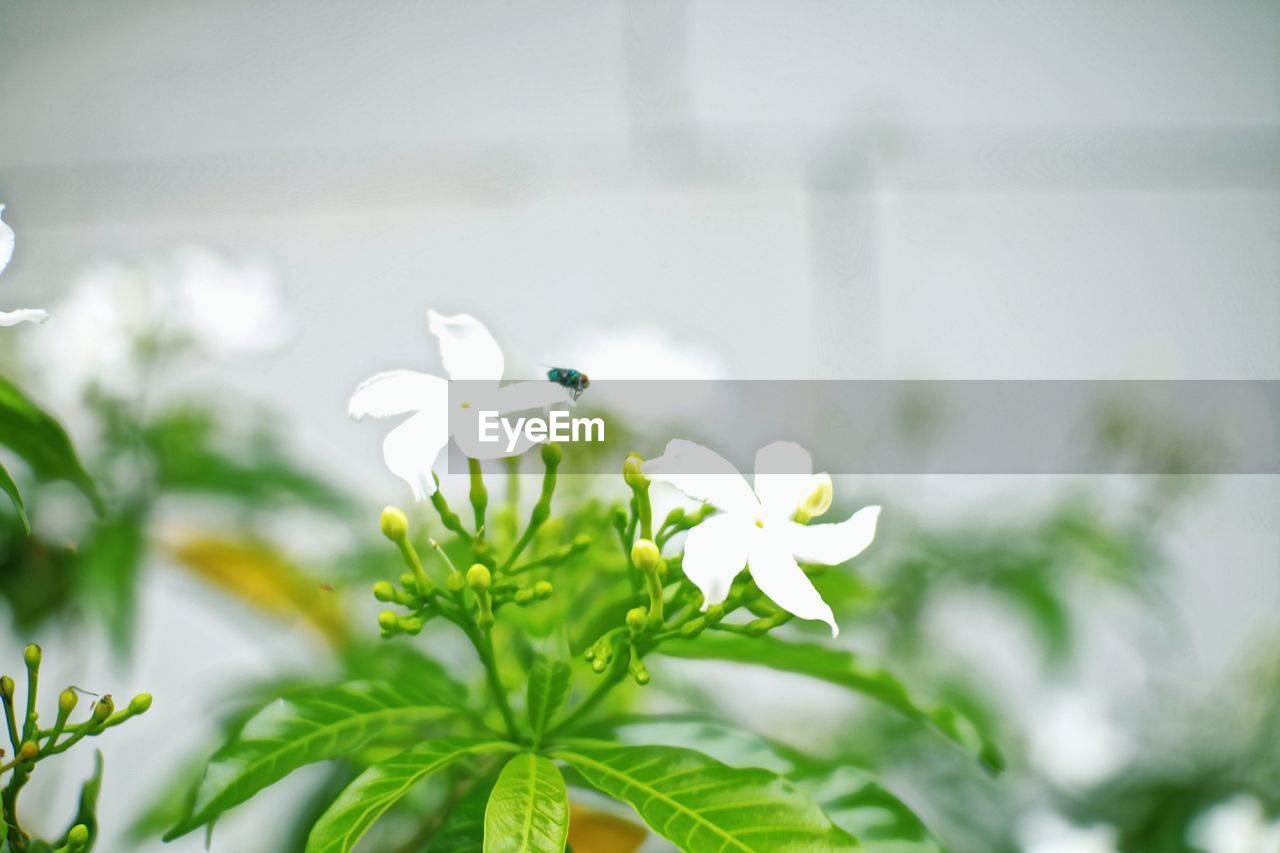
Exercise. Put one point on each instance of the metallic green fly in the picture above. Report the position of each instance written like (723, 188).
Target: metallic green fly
(575, 381)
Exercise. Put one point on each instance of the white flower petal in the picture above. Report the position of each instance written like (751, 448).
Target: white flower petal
(703, 475)
(23, 315)
(228, 308)
(776, 573)
(411, 449)
(832, 544)
(715, 552)
(398, 392)
(784, 477)
(6, 242)
(522, 396)
(467, 349)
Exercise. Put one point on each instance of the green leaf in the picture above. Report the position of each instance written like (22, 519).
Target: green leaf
(40, 440)
(305, 726)
(10, 488)
(106, 565)
(700, 804)
(855, 800)
(844, 668)
(548, 691)
(382, 785)
(87, 810)
(463, 828)
(528, 811)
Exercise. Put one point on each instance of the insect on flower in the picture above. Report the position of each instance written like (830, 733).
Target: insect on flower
(575, 381)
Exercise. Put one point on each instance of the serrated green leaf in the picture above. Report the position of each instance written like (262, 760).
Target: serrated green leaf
(382, 785)
(528, 811)
(842, 667)
(548, 691)
(10, 488)
(700, 804)
(306, 726)
(40, 440)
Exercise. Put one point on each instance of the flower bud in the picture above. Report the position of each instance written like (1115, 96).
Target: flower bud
(638, 672)
(411, 625)
(645, 555)
(456, 582)
(674, 517)
(543, 589)
(693, 627)
(384, 591)
(818, 501)
(759, 627)
(103, 708)
(6, 687)
(598, 665)
(31, 655)
(67, 700)
(28, 751)
(551, 454)
(78, 836)
(409, 582)
(140, 704)
(632, 472)
(524, 596)
(637, 620)
(479, 577)
(394, 523)
(581, 542)
(714, 613)
(388, 621)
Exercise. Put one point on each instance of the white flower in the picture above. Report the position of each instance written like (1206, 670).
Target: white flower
(756, 528)
(471, 357)
(20, 315)
(1045, 832)
(116, 312)
(1238, 825)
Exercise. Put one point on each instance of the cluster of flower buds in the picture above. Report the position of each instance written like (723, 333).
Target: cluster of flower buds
(33, 744)
(425, 599)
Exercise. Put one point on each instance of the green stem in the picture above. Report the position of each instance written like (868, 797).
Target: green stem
(484, 647)
(541, 512)
(479, 494)
(12, 721)
(617, 672)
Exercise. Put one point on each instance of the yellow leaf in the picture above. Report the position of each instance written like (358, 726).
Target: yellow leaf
(592, 831)
(259, 575)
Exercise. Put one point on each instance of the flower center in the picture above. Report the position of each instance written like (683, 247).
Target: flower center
(466, 405)
(760, 523)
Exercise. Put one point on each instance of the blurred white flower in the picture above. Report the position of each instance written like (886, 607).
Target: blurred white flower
(19, 315)
(1237, 825)
(116, 315)
(471, 355)
(1076, 745)
(1049, 833)
(756, 528)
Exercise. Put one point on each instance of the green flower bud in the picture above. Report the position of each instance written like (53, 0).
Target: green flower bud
(31, 655)
(693, 627)
(479, 577)
(543, 589)
(140, 704)
(103, 708)
(456, 582)
(411, 625)
(551, 454)
(759, 627)
(384, 591)
(581, 542)
(714, 613)
(67, 700)
(645, 555)
(6, 686)
(394, 523)
(632, 473)
(409, 582)
(28, 751)
(524, 596)
(637, 620)
(388, 621)
(674, 517)
(78, 836)
(598, 665)
(638, 672)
